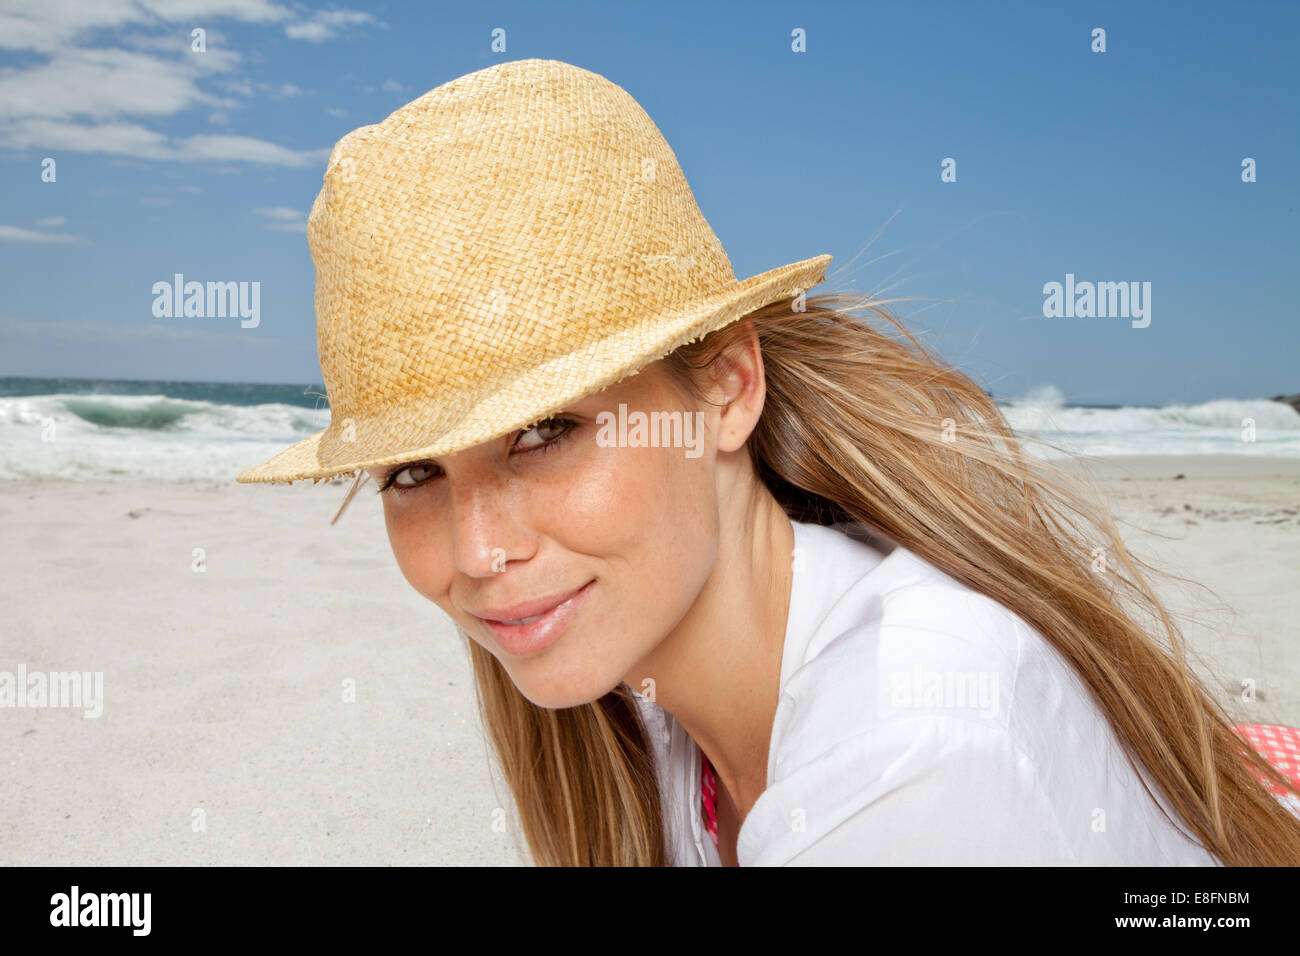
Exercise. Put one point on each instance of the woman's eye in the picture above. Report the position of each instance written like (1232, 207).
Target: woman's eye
(546, 431)
(418, 474)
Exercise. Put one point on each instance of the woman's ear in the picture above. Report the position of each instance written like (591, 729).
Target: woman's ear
(739, 388)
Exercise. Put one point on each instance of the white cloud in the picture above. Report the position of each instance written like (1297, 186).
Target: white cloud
(174, 43)
(326, 25)
(281, 212)
(287, 220)
(123, 139)
(51, 221)
(336, 112)
(107, 75)
(131, 139)
(106, 84)
(18, 234)
(47, 26)
(391, 86)
(245, 148)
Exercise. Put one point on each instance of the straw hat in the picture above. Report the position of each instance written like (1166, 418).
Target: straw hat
(506, 244)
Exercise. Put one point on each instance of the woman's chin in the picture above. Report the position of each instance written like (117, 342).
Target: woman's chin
(559, 694)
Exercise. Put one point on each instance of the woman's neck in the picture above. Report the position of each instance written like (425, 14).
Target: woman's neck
(719, 672)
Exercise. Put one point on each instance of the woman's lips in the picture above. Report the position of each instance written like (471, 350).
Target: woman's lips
(541, 630)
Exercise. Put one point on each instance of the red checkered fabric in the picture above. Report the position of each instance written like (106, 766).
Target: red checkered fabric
(1280, 746)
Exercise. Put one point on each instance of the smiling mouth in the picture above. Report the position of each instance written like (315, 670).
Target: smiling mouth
(525, 612)
(525, 636)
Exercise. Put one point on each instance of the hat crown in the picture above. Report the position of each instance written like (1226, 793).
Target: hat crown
(496, 222)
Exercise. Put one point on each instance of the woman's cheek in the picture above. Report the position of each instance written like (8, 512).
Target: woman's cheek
(609, 487)
(421, 560)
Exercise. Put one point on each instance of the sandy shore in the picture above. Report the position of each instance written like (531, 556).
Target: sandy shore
(1231, 524)
(224, 690)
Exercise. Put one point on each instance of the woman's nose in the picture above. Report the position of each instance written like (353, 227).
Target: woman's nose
(485, 526)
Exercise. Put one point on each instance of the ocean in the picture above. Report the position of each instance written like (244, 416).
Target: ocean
(96, 429)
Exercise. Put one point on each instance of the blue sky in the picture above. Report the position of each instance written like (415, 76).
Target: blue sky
(1115, 166)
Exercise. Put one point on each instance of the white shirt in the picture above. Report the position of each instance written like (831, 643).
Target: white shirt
(920, 723)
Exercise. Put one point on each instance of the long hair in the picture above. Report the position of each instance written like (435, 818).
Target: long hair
(864, 428)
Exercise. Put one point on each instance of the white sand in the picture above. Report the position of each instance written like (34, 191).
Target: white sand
(1231, 524)
(223, 689)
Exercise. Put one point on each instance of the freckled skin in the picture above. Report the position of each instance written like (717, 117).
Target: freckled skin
(642, 522)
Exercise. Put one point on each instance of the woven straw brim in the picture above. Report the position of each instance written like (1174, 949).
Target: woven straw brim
(401, 433)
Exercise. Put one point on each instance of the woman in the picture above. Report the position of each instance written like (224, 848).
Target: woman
(723, 553)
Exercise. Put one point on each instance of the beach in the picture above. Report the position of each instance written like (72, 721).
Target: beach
(296, 702)
(224, 690)
(1232, 524)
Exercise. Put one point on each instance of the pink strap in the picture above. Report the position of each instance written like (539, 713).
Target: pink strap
(709, 796)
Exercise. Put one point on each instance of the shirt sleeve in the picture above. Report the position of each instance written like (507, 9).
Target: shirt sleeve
(934, 790)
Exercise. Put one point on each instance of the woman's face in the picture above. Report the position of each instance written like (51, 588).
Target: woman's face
(540, 514)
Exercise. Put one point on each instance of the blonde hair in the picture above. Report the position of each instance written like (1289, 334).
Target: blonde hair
(859, 427)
